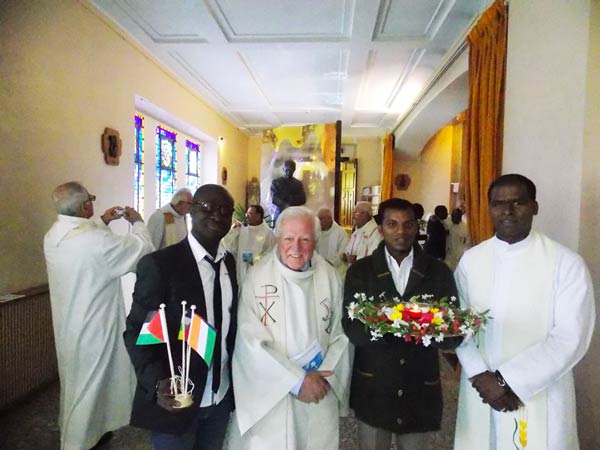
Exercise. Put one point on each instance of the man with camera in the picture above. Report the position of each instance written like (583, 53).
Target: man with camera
(85, 262)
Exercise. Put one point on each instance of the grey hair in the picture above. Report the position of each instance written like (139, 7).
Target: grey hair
(294, 212)
(68, 198)
(181, 195)
(364, 206)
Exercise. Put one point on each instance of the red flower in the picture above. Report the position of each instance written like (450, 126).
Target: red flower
(426, 317)
(407, 338)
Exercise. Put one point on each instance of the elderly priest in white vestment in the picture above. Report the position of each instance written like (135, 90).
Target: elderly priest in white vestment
(291, 366)
(333, 239)
(167, 225)
(366, 236)
(517, 389)
(249, 243)
(85, 261)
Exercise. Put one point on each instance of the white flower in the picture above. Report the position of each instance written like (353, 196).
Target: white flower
(375, 335)
(399, 323)
(351, 307)
(426, 340)
(439, 337)
(426, 296)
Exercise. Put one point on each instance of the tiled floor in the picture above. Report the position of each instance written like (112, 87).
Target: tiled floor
(33, 425)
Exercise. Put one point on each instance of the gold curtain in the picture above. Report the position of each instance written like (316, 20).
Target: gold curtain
(484, 126)
(387, 176)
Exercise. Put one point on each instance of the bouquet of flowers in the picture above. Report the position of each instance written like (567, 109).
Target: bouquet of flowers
(420, 320)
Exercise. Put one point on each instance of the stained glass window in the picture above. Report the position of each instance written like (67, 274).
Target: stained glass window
(192, 179)
(138, 164)
(166, 158)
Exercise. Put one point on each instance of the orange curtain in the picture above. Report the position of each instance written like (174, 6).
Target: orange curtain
(387, 176)
(484, 126)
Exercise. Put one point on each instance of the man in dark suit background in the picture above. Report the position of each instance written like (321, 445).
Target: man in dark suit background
(186, 271)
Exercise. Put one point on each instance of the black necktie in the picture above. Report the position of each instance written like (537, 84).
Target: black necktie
(218, 312)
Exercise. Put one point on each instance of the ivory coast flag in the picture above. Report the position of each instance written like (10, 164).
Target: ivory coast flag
(152, 331)
(201, 338)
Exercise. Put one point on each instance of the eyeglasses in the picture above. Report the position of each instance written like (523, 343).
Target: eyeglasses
(209, 208)
(91, 198)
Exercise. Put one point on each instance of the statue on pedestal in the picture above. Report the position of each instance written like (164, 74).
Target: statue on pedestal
(287, 190)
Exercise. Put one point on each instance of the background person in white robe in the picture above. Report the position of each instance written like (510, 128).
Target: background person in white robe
(167, 225)
(85, 261)
(333, 239)
(458, 238)
(366, 236)
(540, 296)
(291, 367)
(249, 243)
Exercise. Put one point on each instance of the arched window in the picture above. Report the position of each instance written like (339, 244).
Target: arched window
(192, 179)
(166, 158)
(138, 164)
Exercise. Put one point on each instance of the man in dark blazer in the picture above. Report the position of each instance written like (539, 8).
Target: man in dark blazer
(395, 386)
(187, 271)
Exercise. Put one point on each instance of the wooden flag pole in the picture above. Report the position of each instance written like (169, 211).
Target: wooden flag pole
(182, 327)
(163, 322)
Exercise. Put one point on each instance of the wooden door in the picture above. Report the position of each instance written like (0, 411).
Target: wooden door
(348, 198)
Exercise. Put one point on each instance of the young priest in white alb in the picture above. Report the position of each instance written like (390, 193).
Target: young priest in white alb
(541, 302)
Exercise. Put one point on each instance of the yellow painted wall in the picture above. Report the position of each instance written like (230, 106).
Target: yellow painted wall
(254, 156)
(369, 153)
(66, 75)
(430, 174)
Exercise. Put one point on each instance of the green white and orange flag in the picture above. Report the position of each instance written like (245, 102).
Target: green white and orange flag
(202, 338)
(152, 330)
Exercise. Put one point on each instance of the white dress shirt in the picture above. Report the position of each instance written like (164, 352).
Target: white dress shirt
(207, 275)
(400, 272)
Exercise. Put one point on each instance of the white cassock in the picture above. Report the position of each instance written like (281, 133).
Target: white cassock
(364, 240)
(331, 244)
(457, 242)
(540, 296)
(248, 244)
(167, 227)
(85, 261)
(282, 314)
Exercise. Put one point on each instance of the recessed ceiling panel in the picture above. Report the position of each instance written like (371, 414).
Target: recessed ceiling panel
(224, 75)
(401, 19)
(302, 117)
(386, 72)
(164, 21)
(300, 77)
(241, 20)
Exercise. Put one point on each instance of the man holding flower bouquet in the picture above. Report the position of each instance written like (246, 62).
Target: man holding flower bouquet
(395, 386)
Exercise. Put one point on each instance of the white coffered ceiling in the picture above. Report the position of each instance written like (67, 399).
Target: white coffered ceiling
(265, 63)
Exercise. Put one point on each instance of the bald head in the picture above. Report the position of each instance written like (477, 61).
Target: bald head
(70, 198)
(211, 215)
(362, 214)
(326, 218)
